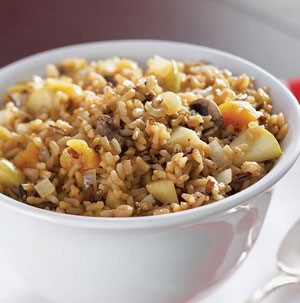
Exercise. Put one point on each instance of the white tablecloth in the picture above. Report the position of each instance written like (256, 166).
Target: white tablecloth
(257, 268)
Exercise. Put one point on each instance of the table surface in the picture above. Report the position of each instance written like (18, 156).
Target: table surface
(256, 269)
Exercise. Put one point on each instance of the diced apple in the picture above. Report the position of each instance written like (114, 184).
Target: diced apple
(9, 174)
(163, 190)
(40, 99)
(167, 73)
(225, 176)
(184, 136)
(171, 102)
(262, 145)
(173, 80)
(158, 65)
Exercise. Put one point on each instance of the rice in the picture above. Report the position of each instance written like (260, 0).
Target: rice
(107, 139)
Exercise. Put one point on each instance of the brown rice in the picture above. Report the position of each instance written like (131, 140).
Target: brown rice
(89, 138)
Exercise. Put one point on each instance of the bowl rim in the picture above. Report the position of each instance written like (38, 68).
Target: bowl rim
(172, 219)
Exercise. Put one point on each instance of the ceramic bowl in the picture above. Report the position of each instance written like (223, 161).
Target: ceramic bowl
(168, 258)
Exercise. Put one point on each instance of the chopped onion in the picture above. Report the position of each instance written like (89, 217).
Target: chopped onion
(44, 188)
(217, 154)
(38, 81)
(89, 178)
(155, 112)
(225, 176)
(203, 92)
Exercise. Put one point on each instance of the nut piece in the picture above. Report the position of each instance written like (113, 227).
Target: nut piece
(207, 107)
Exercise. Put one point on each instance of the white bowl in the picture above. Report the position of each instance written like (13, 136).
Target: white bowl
(167, 258)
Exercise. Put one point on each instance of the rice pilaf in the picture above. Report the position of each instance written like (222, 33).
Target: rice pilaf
(107, 139)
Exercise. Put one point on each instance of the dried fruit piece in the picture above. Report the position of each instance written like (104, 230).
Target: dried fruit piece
(238, 114)
(79, 152)
(27, 158)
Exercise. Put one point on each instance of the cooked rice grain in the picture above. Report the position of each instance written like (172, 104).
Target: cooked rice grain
(135, 147)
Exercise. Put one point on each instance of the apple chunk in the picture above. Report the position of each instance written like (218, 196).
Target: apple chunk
(10, 175)
(167, 73)
(262, 145)
(163, 190)
(184, 136)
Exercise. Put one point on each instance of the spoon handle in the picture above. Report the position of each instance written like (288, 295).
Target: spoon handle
(276, 282)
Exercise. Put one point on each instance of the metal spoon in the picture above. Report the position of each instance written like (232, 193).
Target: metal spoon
(288, 261)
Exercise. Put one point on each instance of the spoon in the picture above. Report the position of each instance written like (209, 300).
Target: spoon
(288, 261)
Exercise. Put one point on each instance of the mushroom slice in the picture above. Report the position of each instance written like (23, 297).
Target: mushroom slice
(207, 107)
(105, 128)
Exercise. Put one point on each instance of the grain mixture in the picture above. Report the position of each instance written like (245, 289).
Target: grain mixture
(106, 139)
